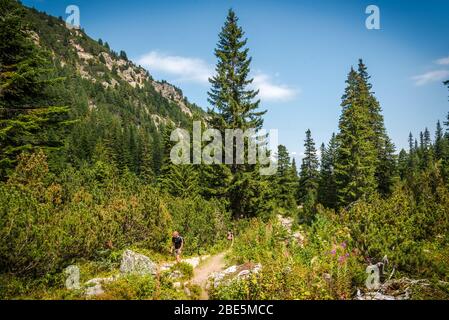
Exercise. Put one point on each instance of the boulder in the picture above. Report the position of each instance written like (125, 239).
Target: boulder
(94, 286)
(394, 289)
(286, 222)
(166, 266)
(194, 262)
(176, 275)
(234, 273)
(136, 263)
(72, 281)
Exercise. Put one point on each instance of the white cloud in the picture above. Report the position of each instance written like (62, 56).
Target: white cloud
(270, 91)
(185, 68)
(431, 76)
(199, 71)
(443, 61)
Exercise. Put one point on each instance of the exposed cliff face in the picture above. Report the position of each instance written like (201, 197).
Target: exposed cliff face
(171, 93)
(95, 62)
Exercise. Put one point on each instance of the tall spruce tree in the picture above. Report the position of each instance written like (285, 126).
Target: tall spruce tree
(286, 179)
(234, 106)
(427, 150)
(27, 119)
(357, 157)
(403, 164)
(440, 144)
(413, 158)
(180, 180)
(327, 191)
(309, 174)
(385, 151)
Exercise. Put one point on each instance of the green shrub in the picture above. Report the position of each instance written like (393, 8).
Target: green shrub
(47, 223)
(184, 268)
(132, 287)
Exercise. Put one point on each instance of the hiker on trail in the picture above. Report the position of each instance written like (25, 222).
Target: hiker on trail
(178, 243)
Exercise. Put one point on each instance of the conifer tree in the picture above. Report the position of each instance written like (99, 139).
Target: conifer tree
(145, 158)
(356, 160)
(286, 179)
(427, 150)
(234, 106)
(26, 119)
(384, 148)
(440, 144)
(309, 174)
(403, 164)
(386, 172)
(327, 191)
(179, 180)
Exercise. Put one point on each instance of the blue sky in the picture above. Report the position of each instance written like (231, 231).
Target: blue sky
(302, 52)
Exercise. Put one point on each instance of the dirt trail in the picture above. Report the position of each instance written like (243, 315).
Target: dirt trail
(201, 273)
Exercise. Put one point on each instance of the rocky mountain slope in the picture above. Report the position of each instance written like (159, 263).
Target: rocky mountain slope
(96, 62)
(118, 104)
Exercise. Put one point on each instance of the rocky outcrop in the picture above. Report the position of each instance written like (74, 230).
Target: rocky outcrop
(72, 281)
(136, 263)
(173, 94)
(195, 261)
(234, 273)
(287, 223)
(95, 286)
(395, 289)
(132, 263)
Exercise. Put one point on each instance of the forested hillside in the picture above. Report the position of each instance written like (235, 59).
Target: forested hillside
(86, 175)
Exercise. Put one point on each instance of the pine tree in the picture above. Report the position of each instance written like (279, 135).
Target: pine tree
(286, 179)
(386, 172)
(123, 55)
(294, 169)
(26, 119)
(410, 143)
(145, 158)
(385, 151)
(233, 102)
(439, 141)
(356, 161)
(180, 180)
(327, 191)
(427, 150)
(308, 176)
(234, 107)
(403, 164)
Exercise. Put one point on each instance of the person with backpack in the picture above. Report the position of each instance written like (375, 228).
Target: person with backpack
(178, 244)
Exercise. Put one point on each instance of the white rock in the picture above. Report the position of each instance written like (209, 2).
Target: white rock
(231, 269)
(95, 287)
(166, 266)
(243, 273)
(73, 277)
(136, 263)
(194, 262)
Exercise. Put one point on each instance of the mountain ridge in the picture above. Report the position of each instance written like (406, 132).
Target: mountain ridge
(110, 69)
